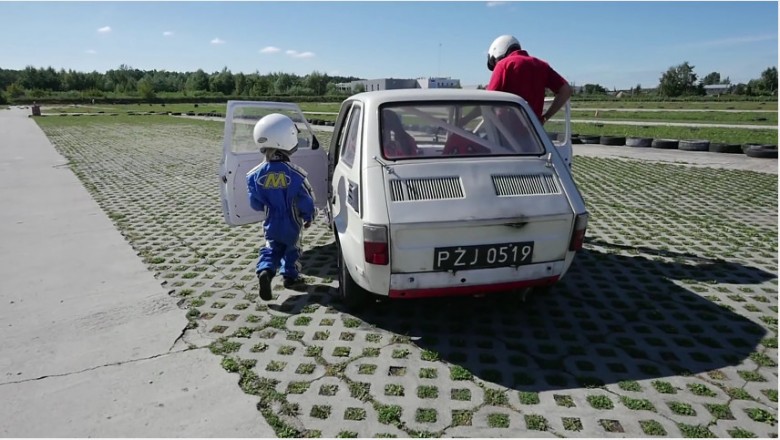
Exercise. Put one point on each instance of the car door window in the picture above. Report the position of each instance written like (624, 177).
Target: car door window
(352, 134)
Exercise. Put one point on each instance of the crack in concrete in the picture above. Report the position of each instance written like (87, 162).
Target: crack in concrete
(112, 364)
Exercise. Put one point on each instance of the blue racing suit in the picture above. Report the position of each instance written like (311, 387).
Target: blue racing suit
(281, 190)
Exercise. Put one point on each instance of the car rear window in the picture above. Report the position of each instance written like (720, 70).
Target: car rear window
(456, 129)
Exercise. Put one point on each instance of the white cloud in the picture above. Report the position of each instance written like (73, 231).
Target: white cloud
(296, 54)
(492, 4)
(90, 51)
(104, 29)
(270, 49)
(217, 41)
(167, 33)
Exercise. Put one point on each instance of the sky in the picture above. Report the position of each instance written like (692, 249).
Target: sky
(615, 44)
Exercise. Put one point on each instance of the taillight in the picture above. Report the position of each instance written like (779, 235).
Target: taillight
(578, 236)
(375, 244)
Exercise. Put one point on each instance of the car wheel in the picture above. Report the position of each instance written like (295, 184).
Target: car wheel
(694, 145)
(349, 291)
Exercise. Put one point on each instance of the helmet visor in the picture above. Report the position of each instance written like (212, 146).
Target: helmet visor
(491, 62)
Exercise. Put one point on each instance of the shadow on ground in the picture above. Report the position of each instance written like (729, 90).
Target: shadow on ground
(613, 318)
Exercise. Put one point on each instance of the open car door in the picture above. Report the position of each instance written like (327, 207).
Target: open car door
(240, 154)
(561, 124)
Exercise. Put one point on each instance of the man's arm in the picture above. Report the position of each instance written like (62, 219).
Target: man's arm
(563, 91)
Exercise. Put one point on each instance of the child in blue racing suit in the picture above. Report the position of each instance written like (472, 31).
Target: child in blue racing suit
(281, 189)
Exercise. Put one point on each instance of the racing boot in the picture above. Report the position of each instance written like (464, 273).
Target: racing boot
(264, 279)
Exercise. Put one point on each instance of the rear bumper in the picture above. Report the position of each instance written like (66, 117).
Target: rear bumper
(474, 282)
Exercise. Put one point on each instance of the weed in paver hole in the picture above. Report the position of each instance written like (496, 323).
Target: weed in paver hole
(373, 337)
(564, 400)
(275, 366)
(302, 320)
(222, 346)
(611, 425)
(428, 355)
(738, 393)
(770, 394)
(371, 352)
(428, 373)
(388, 413)
(571, 423)
(498, 420)
(346, 336)
(600, 401)
(761, 415)
(293, 335)
(701, 390)
(320, 411)
(425, 415)
(463, 394)
(535, 422)
(528, 397)
(664, 387)
(297, 387)
(341, 351)
(427, 392)
(394, 390)
(751, 376)
(305, 369)
(354, 414)
(313, 351)
(321, 335)
(769, 342)
(401, 353)
(681, 408)
(496, 397)
(347, 434)
(637, 404)
(740, 433)
(359, 390)
(461, 417)
(366, 369)
(328, 390)
(762, 360)
(459, 373)
(694, 431)
(629, 385)
(652, 427)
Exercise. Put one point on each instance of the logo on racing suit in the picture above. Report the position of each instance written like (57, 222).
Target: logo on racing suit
(275, 181)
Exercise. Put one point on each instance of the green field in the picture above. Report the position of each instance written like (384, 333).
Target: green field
(708, 117)
(713, 105)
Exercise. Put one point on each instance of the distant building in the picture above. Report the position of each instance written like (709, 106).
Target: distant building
(370, 85)
(716, 89)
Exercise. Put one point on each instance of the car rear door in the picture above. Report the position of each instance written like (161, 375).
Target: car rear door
(240, 155)
(561, 124)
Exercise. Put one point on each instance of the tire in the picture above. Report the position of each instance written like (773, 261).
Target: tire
(666, 144)
(612, 140)
(351, 294)
(576, 140)
(639, 142)
(762, 151)
(589, 139)
(717, 147)
(694, 145)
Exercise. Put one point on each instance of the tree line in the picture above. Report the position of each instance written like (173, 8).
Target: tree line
(681, 80)
(127, 81)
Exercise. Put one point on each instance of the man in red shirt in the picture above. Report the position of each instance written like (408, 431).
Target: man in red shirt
(515, 71)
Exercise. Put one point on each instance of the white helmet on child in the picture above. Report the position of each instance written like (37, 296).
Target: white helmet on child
(276, 131)
(500, 48)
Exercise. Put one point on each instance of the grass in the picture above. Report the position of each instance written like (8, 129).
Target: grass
(726, 135)
(681, 105)
(710, 117)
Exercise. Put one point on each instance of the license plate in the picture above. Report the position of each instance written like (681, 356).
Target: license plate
(483, 256)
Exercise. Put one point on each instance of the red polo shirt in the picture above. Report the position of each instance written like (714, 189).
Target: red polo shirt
(527, 77)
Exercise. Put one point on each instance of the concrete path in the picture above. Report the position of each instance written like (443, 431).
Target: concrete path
(90, 340)
(679, 157)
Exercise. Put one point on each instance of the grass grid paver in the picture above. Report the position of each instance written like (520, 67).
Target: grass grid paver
(665, 325)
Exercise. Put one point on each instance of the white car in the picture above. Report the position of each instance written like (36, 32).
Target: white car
(436, 192)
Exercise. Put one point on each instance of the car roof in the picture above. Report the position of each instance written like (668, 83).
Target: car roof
(377, 98)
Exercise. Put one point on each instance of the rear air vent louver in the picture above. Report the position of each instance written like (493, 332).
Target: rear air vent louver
(426, 189)
(526, 185)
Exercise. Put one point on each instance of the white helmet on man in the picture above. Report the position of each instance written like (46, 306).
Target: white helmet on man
(500, 48)
(277, 132)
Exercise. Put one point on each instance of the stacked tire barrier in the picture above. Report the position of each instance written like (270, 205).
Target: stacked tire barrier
(763, 151)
